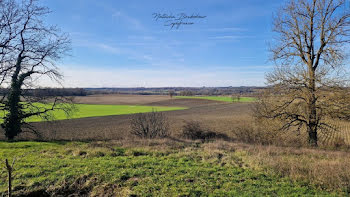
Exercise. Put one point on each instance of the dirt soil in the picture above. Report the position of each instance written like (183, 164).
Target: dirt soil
(217, 116)
(120, 99)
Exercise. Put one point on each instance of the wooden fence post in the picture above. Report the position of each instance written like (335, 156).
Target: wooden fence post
(9, 171)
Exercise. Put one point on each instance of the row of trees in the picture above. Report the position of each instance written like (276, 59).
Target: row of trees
(45, 92)
(183, 91)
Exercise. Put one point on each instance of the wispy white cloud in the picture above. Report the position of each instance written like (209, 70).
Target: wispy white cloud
(228, 38)
(142, 37)
(131, 21)
(228, 29)
(148, 57)
(110, 49)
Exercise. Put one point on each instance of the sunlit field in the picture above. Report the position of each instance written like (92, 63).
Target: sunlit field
(220, 98)
(88, 110)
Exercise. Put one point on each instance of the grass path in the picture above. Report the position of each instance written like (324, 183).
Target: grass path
(219, 98)
(140, 171)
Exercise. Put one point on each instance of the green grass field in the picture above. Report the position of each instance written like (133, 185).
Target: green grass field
(219, 98)
(191, 171)
(88, 110)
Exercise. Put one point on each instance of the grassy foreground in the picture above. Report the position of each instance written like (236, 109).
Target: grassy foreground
(219, 98)
(98, 169)
(89, 110)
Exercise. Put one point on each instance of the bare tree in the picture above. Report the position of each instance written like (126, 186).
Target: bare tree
(150, 125)
(236, 97)
(308, 84)
(29, 50)
(171, 93)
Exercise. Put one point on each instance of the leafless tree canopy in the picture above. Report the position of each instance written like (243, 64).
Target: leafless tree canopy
(309, 83)
(150, 125)
(26, 40)
(29, 50)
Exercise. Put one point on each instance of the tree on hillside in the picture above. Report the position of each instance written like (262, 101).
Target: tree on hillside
(309, 84)
(29, 50)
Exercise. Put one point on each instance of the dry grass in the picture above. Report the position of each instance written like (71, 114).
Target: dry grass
(268, 132)
(326, 169)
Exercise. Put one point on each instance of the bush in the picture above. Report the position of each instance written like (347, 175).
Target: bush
(267, 134)
(194, 130)
(339, 143)
(150, 125)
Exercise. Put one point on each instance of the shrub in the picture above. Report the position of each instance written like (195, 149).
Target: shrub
(339, 143)
(195, 131)
(248, 134)
(150, 125)
(266, 134)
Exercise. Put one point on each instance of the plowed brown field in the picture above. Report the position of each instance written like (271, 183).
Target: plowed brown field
(218, 116)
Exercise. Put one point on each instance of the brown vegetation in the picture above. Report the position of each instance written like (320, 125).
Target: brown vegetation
(194, 130)
(328, 170)
(150, 125)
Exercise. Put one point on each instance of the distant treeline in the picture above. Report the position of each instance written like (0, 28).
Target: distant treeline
(47, 92)
(182, 91)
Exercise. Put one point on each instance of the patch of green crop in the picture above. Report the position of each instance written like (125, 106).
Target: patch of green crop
(219, 98)
(142, 172)
(89, 110)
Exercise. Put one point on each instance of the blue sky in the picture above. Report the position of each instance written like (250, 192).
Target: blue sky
(119, 44)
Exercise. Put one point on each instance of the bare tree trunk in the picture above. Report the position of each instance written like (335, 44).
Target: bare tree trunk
(312, 125)
(312, 122)
(312, 135)
(9, 171)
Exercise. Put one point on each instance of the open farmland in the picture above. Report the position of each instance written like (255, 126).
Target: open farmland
(90, 110)
(107, 117)
(216, 115)
(120, 99)
(219, 98)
